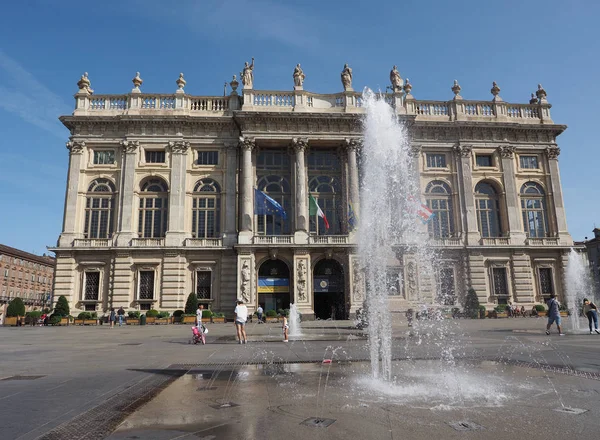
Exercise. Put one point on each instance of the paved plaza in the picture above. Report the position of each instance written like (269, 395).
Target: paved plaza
(500, 378)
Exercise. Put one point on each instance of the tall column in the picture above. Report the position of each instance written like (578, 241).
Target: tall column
(301, 192)
(468, 211)
(229, 234)
(69, 232)
(352, 146)
(247, 214)
(176, 232)
(557, 197)
(513, 208)
(125, 230)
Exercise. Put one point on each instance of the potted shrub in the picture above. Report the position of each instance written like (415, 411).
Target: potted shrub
(14, 312)
(133, 318)
(564, 311)
(62, 310)
(151, 316)
(31, 318)
(162, 318)
(56, 319)
(79, 319)
(540, 309)
(481, 312)
(191, 305)
(188, 318)
(218, 317)
(501, 311)
(271, 316)
(471, 304)
(91, 319)
(177, 315)
(206, 315)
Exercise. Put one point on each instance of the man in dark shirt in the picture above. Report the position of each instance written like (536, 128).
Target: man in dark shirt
(553, 315)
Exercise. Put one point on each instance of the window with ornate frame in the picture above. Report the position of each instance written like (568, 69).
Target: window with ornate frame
(91, 285)
(99, 211)
(529, 162)
(438, 196)
(153, 209)
(446, 287)
(204, 283)
(273, 173)
(324, 184)
(206, 209)
(207, 158)
(155, 156)
(500, 286)
(487, 202)
(146, 284)
(546, 281)
(533, 207)
(435, 160)
(104, 157)
(394, 282)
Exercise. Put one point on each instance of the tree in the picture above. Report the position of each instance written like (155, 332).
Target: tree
(472, 304)
(62, 306)
(15, 308)
(191, 304)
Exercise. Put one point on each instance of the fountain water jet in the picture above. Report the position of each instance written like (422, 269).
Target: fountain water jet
(294, 321)
(578, 285)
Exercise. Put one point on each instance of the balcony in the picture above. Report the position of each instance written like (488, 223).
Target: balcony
(328, 239)
(447, 242)
(495, 241)
(147, 242)
(203, 242)
(92, 242)
(545, 241)
(273, 239)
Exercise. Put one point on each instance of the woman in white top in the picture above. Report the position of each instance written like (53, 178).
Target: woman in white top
(241, 316)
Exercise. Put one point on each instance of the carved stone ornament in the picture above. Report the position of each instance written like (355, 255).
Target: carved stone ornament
(353, 144)
(552, 152)
(75, 147)
(541, 94)
(506, 151)
(247, 143)
(415, 150)
(299, 144)
(411, 278)
(407, 87)
(533, 99)
(463, 150)
(84, 84)
(245, 281)
(137, 81)
(181, 82)
(358, 282)
(495, 90)
(456, 90)
(179, 147)
(301, 280)
(234, 84)
(130, 147)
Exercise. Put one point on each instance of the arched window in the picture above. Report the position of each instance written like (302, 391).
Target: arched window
(439, 199)
(206, 209)
(278, 188)
(154, 205)
(533, 206)
(326, 190)
(488, 210)
(99, 205)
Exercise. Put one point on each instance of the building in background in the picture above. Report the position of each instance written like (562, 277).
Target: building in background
(166, 196)
(26, 276)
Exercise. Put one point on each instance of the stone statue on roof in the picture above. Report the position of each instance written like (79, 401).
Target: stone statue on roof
(346, 76)
(298, 76)
(396, 80)
(247, 75)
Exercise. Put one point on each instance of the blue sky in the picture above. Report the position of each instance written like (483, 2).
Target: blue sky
(46, 45)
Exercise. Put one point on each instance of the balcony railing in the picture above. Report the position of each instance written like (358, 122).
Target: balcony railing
(92, 242)
(328, 239)
(273, 239)
(495, 241)
(203, 242)
(447, 242)
(545, 241)
(147, 242)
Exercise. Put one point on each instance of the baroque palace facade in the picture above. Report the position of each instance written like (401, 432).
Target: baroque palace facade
(161, 193)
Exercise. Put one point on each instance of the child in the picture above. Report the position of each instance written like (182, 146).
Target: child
(285, 329)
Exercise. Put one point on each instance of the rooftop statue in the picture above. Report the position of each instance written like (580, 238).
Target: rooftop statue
(347, 77)
(247, 75)
(298, 76)
(396, 80)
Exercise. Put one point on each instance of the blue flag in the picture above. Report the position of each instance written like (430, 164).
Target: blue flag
(265, 205)
(351, 217)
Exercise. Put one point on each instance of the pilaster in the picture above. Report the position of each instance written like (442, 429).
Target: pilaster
(122, 283)
(523, 290)
(468, 212)
(125, 230)
(71, 216)
(478, 277)
(302, 282)
(230, 214)
(513, 208)
(176, 233)
(173, 292)
(247, 280)
(357, 286)
(560, 218)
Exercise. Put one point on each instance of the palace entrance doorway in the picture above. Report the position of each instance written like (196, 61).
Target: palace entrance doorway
(328, 283)
(274, 285)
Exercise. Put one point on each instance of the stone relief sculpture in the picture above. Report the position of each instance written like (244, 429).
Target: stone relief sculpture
(359, 281)
(347, 77)
(411, 276)
(245, 285)
(247, 75)
(396, 80)
(301, 280)
(298, 76)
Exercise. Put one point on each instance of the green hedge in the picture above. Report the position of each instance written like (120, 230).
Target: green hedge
(87, 315)
(152, 313)
(62, 306)
(134, 314)
(191, 304)
(163, 314)
(271, 313)
(36, 314)
(207, 313)
(540, 308)
(15, 308)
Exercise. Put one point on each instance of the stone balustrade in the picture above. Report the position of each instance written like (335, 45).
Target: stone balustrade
(203, 242)
(147, 242)
(92, 242)
(546, 241)
(495, 241)
(304, 101)
(328, 239)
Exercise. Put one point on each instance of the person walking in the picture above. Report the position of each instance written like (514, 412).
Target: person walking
(241, 316)
(259, 313)
(199, 313)
(121, 313)
(591, 311)
(553, 315)
(112, 317)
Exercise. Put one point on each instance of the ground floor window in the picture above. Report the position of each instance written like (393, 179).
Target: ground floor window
(92, 286)
(393, 281)
(446, 292)
(203, 284)
(546, 284)
(146, 285)
(500, 282)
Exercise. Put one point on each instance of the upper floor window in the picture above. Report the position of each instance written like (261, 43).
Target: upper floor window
(206, 209)
(99, 209)
(327, 192)
(439, 199)
(484, 160)
(533, 207)
(488, 210)
(436, 160)
(208, 158)
(104, 157)
(155, 156)
(153, 209)
(529, 162)
(278, 188)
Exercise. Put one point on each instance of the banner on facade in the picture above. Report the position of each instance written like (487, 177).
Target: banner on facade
(273, 285)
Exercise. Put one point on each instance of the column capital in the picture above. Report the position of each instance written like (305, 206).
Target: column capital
(130, 147)
(552, 152)
(247, 143)
(299, 145)
(415, 150)
(75, 147)
(463, 150)
(353, 143)
(178, 147)
(506, 151)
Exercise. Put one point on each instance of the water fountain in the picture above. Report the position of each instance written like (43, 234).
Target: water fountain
(579, 285)
(294, 322)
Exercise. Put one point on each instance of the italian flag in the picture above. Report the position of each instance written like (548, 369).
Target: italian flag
(315, 209)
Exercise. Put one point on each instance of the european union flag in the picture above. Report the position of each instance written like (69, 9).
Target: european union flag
(351, 217)
(265, 205)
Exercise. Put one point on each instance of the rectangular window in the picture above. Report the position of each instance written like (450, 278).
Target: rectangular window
(92, 286)
(445, 287)
(155, 156)
(500, 283)
(484, 160)
(393, 281)
(436, 160)
(546, 284)
(203, 284)
(208, 158)
(90, 307)
(104, 157)
(5, 273)
(145, 306)
(529, 162)
(146, 291)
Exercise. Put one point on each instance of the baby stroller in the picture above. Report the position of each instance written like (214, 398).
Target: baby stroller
(198, 334)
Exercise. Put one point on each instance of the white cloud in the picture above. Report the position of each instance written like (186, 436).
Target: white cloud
(22, 94)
